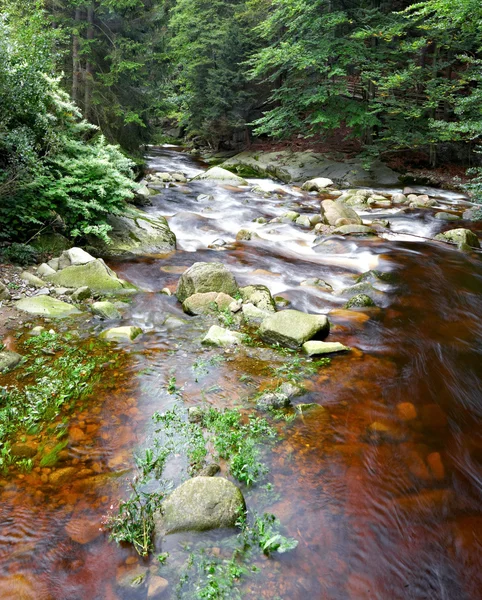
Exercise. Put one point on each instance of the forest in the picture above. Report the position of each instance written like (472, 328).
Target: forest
(84, 85)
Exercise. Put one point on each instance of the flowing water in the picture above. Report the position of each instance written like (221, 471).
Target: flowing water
(384, 515)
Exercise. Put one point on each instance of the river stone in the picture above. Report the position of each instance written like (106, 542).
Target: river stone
(61, 476)
(121, 334)
(354, 230)
(259, 295)
(201, 304)
(360, 301)
(289, 217)
(245, 235)
(47, 306)
(336, 213)
(217, 336)
(273, 401)
(74, 256)
(32, 279)
(156, 586)
(44, 269)
(202, 503)
(446, 216)
(253, 314)
(316, 185)
(8, 360)
(220, 174)
(81, 293)
(459, 236)
(303, 221)
(4, 293)
(210, 470)
(105, 310)
(314, 347)
(135, 233)
(96, 275)
(206, 277)
(292, 328)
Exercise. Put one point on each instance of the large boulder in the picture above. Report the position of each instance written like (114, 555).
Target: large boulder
(199, 504)
(201, 304)
(135, 233)
(95, 274)
(47, 307)
(259, 295)
(292, 328)
(337, 213)
(206, 277)
(223, 175)
(462, 237)
(8, 360)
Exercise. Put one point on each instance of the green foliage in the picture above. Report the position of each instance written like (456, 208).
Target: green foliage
(20, 254)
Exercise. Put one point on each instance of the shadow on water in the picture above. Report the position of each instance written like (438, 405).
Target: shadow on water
(382, 488)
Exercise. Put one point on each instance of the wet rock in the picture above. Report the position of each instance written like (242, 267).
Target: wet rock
(47, 306)
(399, 198)
(314, 348)
(45, 269)
(303, 221)
(333, 245)
(315, 411)
(406, 411)
(83, 530)
(136, 233)
(315, 282)
(337, 213)
(446, 216)
(4, 293)
(422, 201)
(461, 237)
(105, 310)
(209, 470)
(61, 476)
(220, 174)
(273, 400)
(217, 336)
(374, 276)
(9, 360)
(206, 277)
(318, 184)
(32, 280)
(95, 274)
(200, 504)
(132, 576)
(259, 295)
(252, 314)
(172, 323)
(355, 197)
(37, 331)
(24, 449)
(379, 432)
(208, 302)
(81, 293)
(436, 466)
(360, 301)
(121, 334)
(205, 198)
(281, 302)
(156, 586)
(289, 217)
(195, 414)
(245, 235)
(74, 256)
(291, 328)
(324, 229)
(354, 230)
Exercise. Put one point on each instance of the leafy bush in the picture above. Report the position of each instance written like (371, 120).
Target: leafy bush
(20, 254)
(54, 166)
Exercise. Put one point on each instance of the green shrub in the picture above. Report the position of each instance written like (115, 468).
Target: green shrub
(20, 254)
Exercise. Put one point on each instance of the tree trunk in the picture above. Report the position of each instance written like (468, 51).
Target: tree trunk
(76, 71)
(88, 74)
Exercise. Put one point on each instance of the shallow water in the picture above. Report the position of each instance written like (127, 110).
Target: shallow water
(397, 515)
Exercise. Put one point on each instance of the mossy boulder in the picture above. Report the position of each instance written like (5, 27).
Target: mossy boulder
(360, 301)
(135, 233)
(201, 304)
(259, 296)
(223, 175)
(95, 274)
(461, 237)
(200, 504)
(47, 307)
(105, 310)
(292, 328)
(206, 277)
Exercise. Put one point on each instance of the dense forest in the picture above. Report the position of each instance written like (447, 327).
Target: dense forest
(79, 77)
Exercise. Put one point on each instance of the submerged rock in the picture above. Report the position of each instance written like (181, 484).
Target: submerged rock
(200, 504)
(201, 304)
(217, 336)
(206, 277)
(291, 328)
(259, 296)
(136, 233)
(95, 274)
(9, 360)
(314, 347)
(337, 213)
(47, 306)
(273, 400)
(354, 230)
(446, 216)
(462, 237)
(121, 334)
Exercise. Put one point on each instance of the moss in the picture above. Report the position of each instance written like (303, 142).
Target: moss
(360, 301)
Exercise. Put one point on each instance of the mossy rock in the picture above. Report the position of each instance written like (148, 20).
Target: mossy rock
(47, 307)
(292, 328)
(96, 275)
(51, 243)
(9, 360)
(373, 276)
(206, 277)
(360, 301)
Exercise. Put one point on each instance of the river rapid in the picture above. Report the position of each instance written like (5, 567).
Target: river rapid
(378, 515)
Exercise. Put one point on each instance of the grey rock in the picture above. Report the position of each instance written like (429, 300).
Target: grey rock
(81, 293)
(318, 184)
(207, 302)
(121, 334)
(206, 277)
(32, 279)
(74, 256)
(315, 282)
(254, 315)
(35, 331)
(291, 328)
(4, 293)
(354, 230)
(105, 310)
(399, 199)
(446, 216)
(223, 175)
(54, 264)
(96, 275)
(45, 269)
(460, 237)
(360, 301)
(9, 360)
(314, 348)
(200, 504)
(209, 470)
(303, 221)
(259, 295)
(337, 213)
(273, 400)
(47, 306)
(217, 336)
